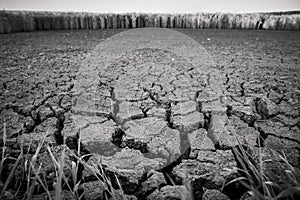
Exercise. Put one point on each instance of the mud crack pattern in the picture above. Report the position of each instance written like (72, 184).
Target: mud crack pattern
(154, 105)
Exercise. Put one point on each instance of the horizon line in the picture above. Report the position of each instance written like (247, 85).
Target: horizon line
(168, 13)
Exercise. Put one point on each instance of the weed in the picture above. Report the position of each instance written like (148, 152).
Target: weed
(258, 178)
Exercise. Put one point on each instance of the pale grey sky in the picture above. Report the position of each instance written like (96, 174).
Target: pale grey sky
(154, 6)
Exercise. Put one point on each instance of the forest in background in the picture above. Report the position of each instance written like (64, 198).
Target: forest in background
(19, 21)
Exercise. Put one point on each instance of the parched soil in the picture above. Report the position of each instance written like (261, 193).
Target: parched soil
(157, 117)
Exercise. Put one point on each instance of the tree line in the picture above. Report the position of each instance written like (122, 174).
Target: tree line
(18, 21)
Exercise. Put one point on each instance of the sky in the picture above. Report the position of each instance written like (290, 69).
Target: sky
(152, 6)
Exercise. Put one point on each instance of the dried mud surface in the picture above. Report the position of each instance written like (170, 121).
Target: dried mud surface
(171, 120)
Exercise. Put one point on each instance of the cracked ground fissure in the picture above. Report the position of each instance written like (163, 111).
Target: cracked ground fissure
(148, 108)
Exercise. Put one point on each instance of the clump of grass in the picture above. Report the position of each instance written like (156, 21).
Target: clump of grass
(261, 183)
(34, 180)
(4, 158)
(98, 171)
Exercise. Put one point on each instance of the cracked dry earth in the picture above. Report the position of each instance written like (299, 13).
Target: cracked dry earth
(158, 107)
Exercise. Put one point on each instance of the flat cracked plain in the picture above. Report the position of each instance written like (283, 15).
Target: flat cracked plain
(153, 99)
(138, 94)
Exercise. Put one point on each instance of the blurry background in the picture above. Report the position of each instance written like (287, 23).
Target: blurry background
(31, 15)
(154, 6)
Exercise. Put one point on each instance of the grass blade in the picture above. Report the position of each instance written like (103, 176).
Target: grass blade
(10, 176)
